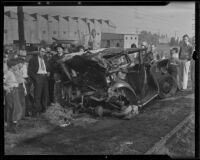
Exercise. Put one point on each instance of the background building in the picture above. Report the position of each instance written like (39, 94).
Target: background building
(118, 40)
(10, 27)
(164, 40)
(38, 28)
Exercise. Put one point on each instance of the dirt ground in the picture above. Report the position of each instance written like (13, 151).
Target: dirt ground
(107, 135)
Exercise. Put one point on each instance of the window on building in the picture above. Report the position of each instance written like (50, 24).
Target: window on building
(108, 44)
(135, 38)
(54, 32)
(126, 38)
(5, 31)
(44, 32)
(117, 45)
(131, 38)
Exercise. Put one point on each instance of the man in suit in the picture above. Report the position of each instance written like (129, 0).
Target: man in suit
(38, 72)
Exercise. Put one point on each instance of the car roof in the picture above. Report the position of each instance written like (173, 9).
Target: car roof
(108, 52)
(116, 51)
(133, 50)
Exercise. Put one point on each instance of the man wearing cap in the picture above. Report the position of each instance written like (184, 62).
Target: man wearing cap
(38, 72)
(57, 72)
(49, 55)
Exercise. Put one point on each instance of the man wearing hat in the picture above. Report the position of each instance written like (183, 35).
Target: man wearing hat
(38, 72)
(56, 70)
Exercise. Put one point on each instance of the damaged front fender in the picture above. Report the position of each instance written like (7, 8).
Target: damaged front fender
(129, 91)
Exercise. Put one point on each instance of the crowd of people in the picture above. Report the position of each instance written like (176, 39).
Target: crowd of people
(44, 73)
(31, 85)
(180, 62)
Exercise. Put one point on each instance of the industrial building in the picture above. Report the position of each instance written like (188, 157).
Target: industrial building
(10, 27)
(118, 40)
(39, 28)
(164, 40)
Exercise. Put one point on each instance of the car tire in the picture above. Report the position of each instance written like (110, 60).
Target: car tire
(167, 85)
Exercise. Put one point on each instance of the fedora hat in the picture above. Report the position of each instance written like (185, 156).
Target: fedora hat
(58, 45)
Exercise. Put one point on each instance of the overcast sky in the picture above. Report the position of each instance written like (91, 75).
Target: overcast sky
(176, 17)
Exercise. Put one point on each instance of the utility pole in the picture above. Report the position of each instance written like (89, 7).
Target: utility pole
(20, 15)
(137, 30)
(159, 32)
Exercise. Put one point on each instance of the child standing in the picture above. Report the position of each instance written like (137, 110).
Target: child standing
(21, 81)
(12, 106)
(173, 67)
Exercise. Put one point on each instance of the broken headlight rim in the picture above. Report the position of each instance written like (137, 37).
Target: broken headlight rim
(121, 75)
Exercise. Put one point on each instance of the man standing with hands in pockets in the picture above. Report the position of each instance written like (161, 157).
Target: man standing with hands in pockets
(38, 72)
(185, 56)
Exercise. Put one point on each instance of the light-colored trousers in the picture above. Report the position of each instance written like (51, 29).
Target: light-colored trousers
(183, 73)
(192, 70)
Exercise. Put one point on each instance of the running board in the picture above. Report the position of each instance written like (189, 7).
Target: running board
(141, 105)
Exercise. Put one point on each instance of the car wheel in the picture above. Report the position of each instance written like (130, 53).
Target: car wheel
(125, 96)
(167, 85)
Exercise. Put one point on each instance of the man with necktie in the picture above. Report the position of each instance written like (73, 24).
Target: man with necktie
(38, 72)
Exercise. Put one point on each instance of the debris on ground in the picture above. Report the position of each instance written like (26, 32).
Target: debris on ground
(82, 121)
(63, 117)
(58, 115)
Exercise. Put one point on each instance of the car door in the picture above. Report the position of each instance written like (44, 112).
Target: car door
(150, 86)
(136, 74)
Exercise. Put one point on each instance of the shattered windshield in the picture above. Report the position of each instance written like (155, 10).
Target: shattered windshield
(118, 61)
(134, 57)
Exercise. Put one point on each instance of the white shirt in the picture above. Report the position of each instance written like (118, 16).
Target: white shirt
(10, 81)
(40, 71)
(24, 70)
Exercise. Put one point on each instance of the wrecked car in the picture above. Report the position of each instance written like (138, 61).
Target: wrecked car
(115, 81)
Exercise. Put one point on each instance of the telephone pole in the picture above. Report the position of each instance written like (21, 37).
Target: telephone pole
(20, 15)
(137, 30)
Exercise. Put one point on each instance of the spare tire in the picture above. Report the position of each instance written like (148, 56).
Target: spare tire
(167, 85)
